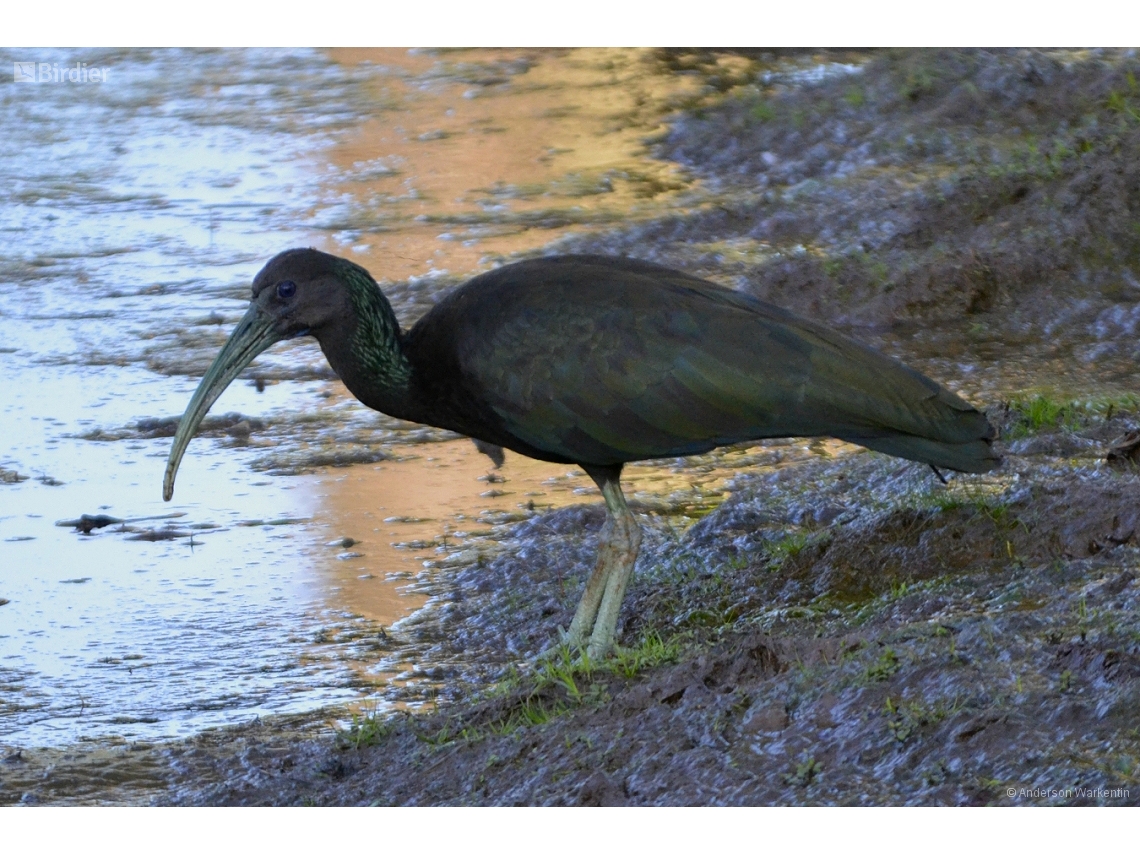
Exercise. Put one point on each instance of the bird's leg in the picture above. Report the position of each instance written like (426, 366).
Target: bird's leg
(620, 538)
(619, 552)
(595, 588)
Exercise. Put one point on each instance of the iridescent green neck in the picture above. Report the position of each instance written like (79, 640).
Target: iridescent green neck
(374, 367)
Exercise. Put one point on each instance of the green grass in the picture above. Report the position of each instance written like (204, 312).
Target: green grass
(564, 669)
(693, 591)
(574, 672)
(984, 503)
(559, 684)
(366, 730)
(649, 653)
(1041, 412)
(806, 771)
(567, 673)
(789, 546)
(762, 112)
(907, 718)
(919, 82)
(884, 667)
(1127, 104)
(530, 713)
(858, 266)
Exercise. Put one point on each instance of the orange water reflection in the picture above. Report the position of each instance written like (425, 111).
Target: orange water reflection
(480, 153)
(426, 506)
(444, 501)
(401, 512)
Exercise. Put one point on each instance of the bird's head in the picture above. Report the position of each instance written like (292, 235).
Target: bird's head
(299, 292)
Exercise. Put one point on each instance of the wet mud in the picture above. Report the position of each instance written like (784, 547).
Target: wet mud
(809, 623)
(965, 644)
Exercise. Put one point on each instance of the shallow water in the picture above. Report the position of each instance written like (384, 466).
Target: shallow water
(136, 213)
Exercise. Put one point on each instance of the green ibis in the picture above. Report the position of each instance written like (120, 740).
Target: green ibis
(596, 361)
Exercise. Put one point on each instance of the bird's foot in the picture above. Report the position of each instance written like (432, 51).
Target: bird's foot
(598, 652)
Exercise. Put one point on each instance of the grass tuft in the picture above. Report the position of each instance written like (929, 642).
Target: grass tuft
(1042, 412)
(366, 730)
(651, 652)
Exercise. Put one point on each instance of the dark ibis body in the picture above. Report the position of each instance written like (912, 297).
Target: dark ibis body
(597, 361)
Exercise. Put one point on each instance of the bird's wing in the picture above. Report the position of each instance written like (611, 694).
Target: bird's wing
(600, 364)
(614, 369)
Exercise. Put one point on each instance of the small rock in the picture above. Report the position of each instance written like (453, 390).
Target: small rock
(600, 791)
(241, 430)
(1125, 452)
(825, 712)
(9, 476)
(89, 522)
(1116, 585)
(765, 719)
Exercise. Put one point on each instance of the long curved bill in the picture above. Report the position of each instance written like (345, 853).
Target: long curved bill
(254, 334)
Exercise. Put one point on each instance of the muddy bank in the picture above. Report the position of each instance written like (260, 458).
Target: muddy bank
(971, 211)
(843, 630)
(855, 635)
(918, 185)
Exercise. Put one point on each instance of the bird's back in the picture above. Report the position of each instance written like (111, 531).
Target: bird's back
(599, 361)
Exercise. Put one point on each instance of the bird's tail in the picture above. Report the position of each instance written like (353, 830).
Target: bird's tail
(976, 455)
(881, 404)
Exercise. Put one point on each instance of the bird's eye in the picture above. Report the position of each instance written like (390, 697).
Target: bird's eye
(286, 289)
